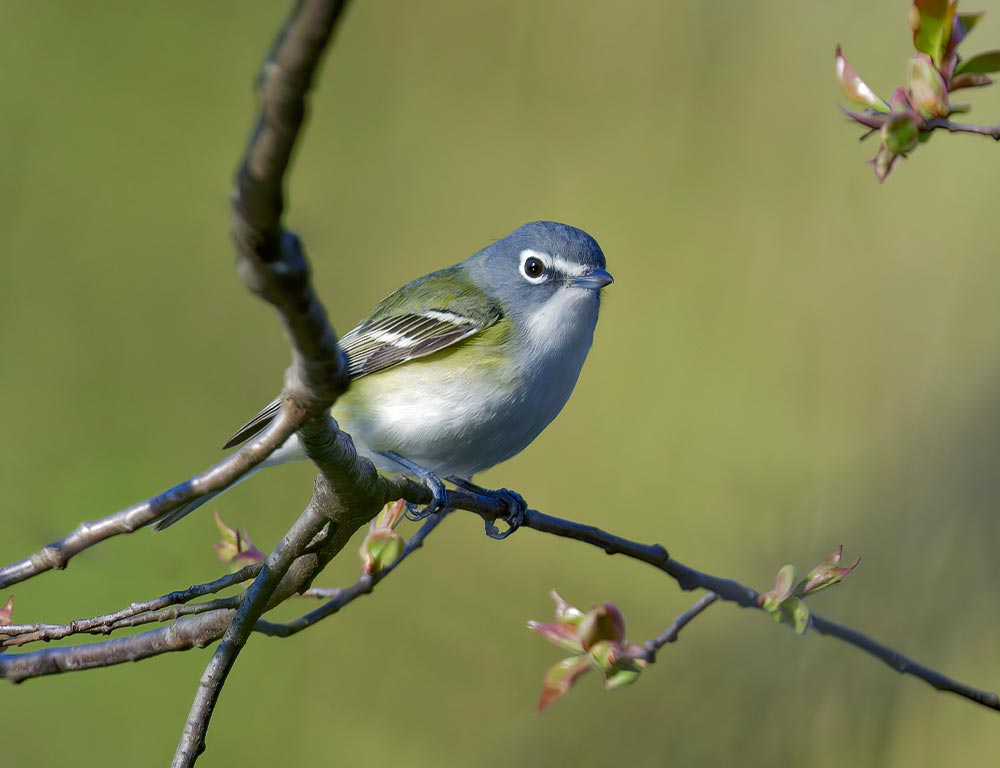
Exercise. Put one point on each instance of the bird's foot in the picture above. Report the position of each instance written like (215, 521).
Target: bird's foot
(517, 507)
(439, 493)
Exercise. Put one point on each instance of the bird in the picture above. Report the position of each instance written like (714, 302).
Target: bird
(461, 369)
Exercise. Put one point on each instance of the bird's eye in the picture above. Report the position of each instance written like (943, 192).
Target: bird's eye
(533, 267)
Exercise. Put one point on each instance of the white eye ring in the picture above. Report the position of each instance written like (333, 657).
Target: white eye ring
(531, 263)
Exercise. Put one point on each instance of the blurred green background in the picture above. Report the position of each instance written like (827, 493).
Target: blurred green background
(792, 357)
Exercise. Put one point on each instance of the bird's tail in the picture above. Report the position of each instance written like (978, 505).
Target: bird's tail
(175, 515)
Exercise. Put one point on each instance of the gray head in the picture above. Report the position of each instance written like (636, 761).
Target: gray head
(543, 264)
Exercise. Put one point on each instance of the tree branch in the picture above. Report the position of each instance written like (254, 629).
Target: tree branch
(160, 616)
(201, 630)
(689, 579)
(21, 634)
(17, 667)
(347, 495)
(671, 633)
(255, 601)
(903, 664)
(182, 635)
(732, 591)
(271, 262)
(88, 534)
(876, 120)
(993, 131)
(363, 586)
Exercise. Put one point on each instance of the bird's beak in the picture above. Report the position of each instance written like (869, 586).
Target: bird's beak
(594, 280)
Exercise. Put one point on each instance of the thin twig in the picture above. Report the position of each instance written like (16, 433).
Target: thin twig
(108, 622)
(903, 664)
(187, 633)
(993, 131)
(362, 586)
(181, 635)
(170, 613)
(875, 120)
(321, 593)
(732, 591)
(58, 554)
(671, 633)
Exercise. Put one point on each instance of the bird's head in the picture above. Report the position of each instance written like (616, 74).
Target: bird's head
(543, 269)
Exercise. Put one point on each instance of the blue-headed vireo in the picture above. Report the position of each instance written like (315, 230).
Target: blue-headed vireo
(462, 368)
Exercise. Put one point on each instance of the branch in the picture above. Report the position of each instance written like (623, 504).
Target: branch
(347, 494)
(182, 635)
(88, 534)
(687, 578)
(255, 601)
(201, 630)
(363, 586)
(903, 664)
(320, 593)
(993, 131)
(171, 613)
(671, 633)
(136, 613)
(273, 265)
(876, 120)
(732, 591)
(270, 260)
(311, 555)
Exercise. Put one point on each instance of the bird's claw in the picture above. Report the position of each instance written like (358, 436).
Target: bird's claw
(516, 510)
(437, 503)
(439, 494)
(517, 507)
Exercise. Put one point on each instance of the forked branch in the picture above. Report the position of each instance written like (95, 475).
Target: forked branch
(348, 490)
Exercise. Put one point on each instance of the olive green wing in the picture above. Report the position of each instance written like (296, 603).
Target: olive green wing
(423, 317)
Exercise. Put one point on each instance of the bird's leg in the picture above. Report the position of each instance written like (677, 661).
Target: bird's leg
(431, 480)
(516, 506)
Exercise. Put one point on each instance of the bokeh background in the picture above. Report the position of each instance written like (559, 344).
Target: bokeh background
(792, 357)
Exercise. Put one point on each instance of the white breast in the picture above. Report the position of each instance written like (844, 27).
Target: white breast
(556, 340)
(563, 327)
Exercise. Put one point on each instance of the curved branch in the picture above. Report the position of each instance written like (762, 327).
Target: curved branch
(272, 264)
(270, 260)
(88, 534)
